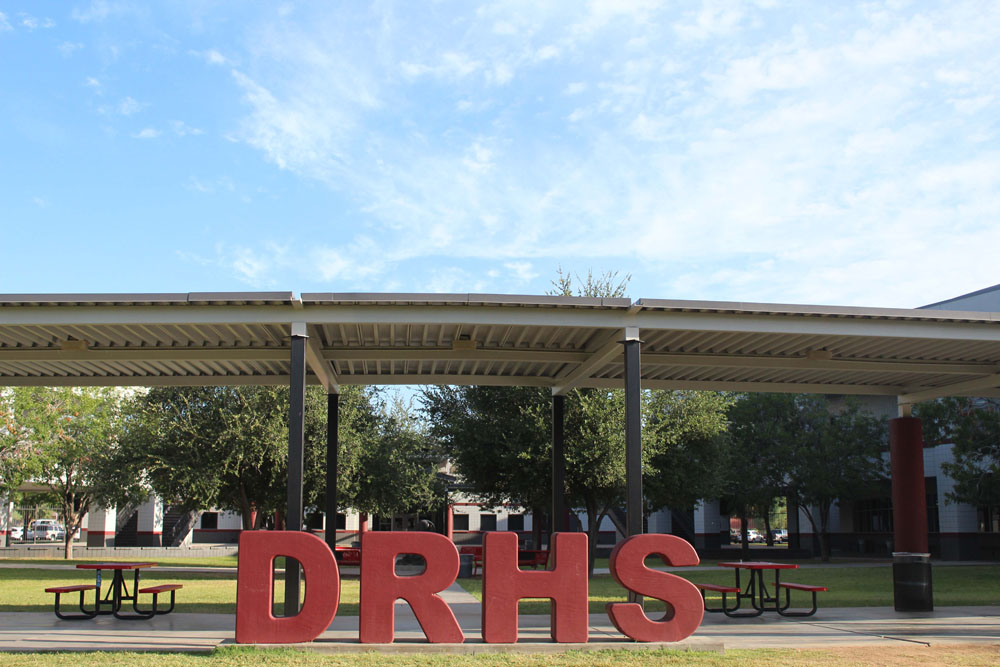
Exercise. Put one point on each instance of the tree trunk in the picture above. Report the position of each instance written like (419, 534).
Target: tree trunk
(744, 536)
(824, 535)
(594, 519)
(246, 509)
(767, 529)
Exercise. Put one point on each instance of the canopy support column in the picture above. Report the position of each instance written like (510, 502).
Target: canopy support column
(633, 439)
(911, 569)
(559, 518)
(296, 463)
(332, 447)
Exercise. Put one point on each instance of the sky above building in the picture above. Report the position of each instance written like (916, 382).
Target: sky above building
(837, 152)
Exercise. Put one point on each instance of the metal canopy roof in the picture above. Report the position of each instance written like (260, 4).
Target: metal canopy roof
(549, 341)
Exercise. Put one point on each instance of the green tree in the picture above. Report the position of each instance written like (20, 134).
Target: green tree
(492, 437)
(396, 469)
(75, 432)
(972, 426)
(835, 452)
(18, 454)
(684, 446)
(201, 447)
(227, 447)
(763, 431)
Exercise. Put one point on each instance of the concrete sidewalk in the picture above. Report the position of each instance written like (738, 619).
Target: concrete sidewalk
(202, 632)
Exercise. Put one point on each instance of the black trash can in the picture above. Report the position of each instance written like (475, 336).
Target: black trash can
(912, 588)
(465, 565)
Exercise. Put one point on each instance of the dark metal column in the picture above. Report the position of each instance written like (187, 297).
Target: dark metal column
(332, 447)
(633, 436)
(558, 465)
(296, 464)
(633, 440)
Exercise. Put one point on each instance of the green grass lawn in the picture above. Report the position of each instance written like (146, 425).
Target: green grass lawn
(23, 589)
(849, 587)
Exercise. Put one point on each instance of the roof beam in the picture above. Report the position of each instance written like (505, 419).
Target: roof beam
(750, 387)
(148, 380)
(802, 363)
(442, 379)
(499, 355)
(319, 364)
(954, 389)
(572, 377)
(815, 325)
(147, 354)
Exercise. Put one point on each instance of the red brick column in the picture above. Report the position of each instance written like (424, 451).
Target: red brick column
(909, 502)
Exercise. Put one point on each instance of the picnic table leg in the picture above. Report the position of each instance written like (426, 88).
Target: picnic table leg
(750, 593)
(135, 592)
(108, 597)
(139, 615)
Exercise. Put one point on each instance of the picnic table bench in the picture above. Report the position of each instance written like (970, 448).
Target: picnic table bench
(82, 589)
(533, 558)
(348, 555)
(789, 587)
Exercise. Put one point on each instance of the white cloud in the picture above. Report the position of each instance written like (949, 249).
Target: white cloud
(547, 52)
(212, 57)
(182, 129)
(33, 23)
(68, 48)
(100, 10)
(4, 23)
(92, 82)
(723, 152)
(523, 272)
(129, 106)
(450, 65)
(147, 133)
(251, 266)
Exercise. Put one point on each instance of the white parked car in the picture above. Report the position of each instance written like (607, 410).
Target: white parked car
(16, 533)
(45, 529)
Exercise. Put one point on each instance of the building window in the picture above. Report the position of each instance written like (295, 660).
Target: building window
(210, 521)
(873, 515)
(989, 519)
(487, 522)
(930, 488)
(460, 522)
(341, 521)
(515, 522)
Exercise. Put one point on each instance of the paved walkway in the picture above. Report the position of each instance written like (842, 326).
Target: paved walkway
(202, 632)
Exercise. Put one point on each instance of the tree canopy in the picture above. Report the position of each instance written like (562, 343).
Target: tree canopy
(227, 447)
(972, 426)
(818, 451)
(73, 435)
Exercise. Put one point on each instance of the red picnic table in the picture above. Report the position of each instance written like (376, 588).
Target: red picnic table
(756, 591)
(118, 592)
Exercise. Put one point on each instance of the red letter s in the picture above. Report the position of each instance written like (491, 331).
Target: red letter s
(685, 609)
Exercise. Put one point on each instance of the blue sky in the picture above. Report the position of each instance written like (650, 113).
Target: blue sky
(757, 151)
